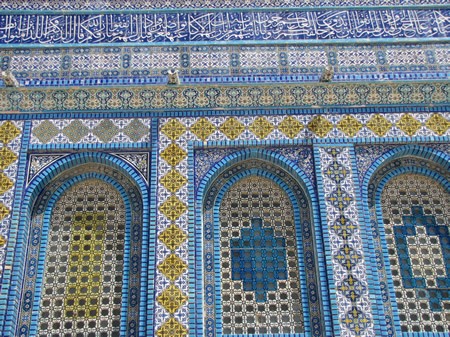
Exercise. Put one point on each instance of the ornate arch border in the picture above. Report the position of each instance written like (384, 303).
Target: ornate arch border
(196, 229)
(422, 153)
(18, 252)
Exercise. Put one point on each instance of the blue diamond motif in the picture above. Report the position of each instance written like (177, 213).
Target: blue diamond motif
(258, 259)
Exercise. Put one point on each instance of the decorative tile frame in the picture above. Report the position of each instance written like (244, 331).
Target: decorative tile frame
(19, 251)
(374, 167)
(272, 128)
(199, 197)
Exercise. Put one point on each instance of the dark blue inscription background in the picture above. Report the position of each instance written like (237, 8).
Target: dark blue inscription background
(223, 26)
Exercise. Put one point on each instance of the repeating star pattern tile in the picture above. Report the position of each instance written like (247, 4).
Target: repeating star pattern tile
(90, 131)
(349, 274)
(10, 138)
(176, 133)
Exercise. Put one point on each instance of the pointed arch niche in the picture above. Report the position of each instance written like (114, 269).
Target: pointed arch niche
(408, 199)
(82, 272)
(259, 259)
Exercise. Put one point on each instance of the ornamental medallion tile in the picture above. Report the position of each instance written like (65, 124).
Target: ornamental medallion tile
(172, 299)
(135, 130)
(379, 125)
(349, 125)
(173, 181)
(7, 157)
(172, 267)
(172, 208)
(45, 131)
(172, 237)
(2, 241)
(261, 127)
(5, 183)
(4, 211)
(290, 126)
(408, 124)
(173, 154)
(320, 126)
(106, 130)
(172, 328)
(232, 128)
(173, 129)
(75, 131)
(203, 128)
(8, 131)
(438, 124)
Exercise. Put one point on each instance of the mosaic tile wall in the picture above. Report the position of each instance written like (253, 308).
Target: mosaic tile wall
(10, 133)
(416, 222)
(172, 171)
(95, 102)
(224, 64)
(82, 290)
(254, 297)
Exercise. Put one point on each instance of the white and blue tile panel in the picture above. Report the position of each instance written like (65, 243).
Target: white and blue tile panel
(222, 64)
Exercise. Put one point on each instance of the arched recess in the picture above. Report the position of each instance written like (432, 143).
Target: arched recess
(275, 173)
(37, 218)
(405, 190)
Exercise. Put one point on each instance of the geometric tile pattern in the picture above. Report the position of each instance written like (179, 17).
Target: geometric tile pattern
(349, 274)
(173, 144)
(85, 249)
(10, 137)
(416, 223)
(172, 328)
(231, 96)
(267, 291)
(223, 63)
(172, 299)
(90, 131)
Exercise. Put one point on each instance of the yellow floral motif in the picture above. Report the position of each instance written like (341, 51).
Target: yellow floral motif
(232, 128)
(379, 125)
(173, 181)
(320, 126)
(4, 211)
(349, 125)
(173, 154)
(7, 157)
(8, 131)
(261, 127)
(438, 124)
(172, 299)
(2, 241)
(173, 129)
(290, 127)
(5, 183)
(172, 237)
(172, 267)
(408, 124)
(173, 208)
(203, 128)
(172, 328)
